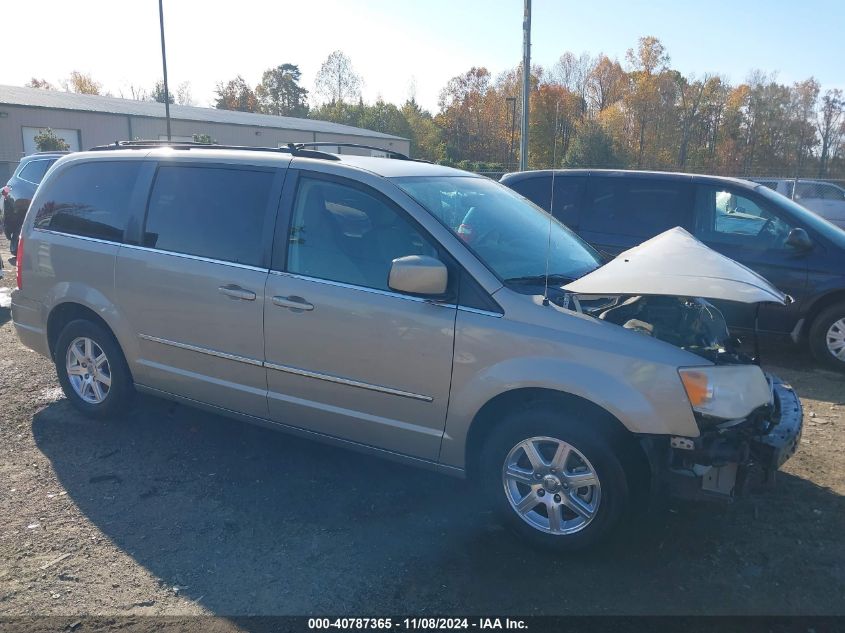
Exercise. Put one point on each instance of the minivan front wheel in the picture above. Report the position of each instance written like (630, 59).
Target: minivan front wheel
(551, 485)
(827, 337)
(91, 369)
(555, 482)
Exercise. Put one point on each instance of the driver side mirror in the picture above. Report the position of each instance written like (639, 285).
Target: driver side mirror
(799, 240)
(418, 275)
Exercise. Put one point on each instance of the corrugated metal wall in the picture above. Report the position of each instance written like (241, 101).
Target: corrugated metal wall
(96, 128)
(99, 128)
(223, 133)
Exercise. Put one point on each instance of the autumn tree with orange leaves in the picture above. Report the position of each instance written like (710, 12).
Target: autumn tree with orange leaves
(596, 111)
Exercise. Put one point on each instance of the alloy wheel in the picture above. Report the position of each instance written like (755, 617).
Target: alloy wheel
(551, 485)
(88, 370)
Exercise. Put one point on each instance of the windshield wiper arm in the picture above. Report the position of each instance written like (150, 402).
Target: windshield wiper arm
(555, 278)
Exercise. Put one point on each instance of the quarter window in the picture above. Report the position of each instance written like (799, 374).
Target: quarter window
(90, 199)
(213, 212)
(633, 206)
(344, 234)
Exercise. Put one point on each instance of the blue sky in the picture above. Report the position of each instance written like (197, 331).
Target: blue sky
(395, 44)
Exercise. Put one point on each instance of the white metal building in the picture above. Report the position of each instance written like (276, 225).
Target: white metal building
(84, 121)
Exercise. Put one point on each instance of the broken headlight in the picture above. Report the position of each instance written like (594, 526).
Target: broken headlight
(727, 392)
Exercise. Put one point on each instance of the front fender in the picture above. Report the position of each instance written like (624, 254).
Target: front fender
(633, 379)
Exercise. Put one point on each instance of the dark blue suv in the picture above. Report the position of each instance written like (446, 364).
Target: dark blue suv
(15, 196)
(796, 250)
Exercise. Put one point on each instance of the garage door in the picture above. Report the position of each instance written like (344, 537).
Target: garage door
(71, 137)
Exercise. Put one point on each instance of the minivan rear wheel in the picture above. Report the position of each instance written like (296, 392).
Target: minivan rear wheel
(827, 337)
(92, 369)
(556, 483)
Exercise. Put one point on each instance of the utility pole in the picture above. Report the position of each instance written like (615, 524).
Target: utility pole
(526, 85)
(164, 66)
(512, 102)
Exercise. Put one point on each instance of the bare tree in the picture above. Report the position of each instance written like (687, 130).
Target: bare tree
(135, 92)
(605, 83)
(831, 127)
(43, 84)
(573, 73)
(183, 94)
(337, 79)
(690, 97)
(803, 98)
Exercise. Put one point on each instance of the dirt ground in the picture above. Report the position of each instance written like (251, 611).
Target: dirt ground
(178, 512)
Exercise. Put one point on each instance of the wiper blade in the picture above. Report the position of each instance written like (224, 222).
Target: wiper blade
(540, 279)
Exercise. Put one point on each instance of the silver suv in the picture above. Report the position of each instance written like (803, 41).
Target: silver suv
(822, 198)
(405, 309)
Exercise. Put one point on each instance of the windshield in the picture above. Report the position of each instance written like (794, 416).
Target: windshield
(808, 218)
(506, 231)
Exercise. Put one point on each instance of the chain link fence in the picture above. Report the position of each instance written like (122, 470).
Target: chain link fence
(805, 189)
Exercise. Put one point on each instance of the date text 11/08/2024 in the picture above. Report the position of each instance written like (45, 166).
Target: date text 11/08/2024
(417, 623)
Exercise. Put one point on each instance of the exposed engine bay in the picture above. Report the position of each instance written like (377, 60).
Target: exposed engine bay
(691, 323)
(719, 462)
(661, 289)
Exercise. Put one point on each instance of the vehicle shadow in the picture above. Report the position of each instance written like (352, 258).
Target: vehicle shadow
(245, 520)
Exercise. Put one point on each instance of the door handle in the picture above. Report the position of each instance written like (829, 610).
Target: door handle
(293, 302)
(236, 292)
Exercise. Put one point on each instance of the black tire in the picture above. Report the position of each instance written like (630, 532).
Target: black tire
(121, 390)
(544, 420)
(817, 337)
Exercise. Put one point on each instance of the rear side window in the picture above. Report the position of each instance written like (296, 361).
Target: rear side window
(34, 170)
(569, 192)
(214, 212)
(638, 207)
(89, 199)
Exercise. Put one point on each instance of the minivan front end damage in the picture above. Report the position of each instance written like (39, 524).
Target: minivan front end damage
(750, 423)
(729, 457)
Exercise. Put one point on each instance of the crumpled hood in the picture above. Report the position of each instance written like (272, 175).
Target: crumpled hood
(675, 263)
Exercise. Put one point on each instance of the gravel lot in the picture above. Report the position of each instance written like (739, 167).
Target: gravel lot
(178, 512)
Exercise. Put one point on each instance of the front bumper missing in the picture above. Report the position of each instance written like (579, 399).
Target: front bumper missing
(727, 462)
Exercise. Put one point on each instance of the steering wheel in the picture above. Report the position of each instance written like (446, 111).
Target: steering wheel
(768, 233)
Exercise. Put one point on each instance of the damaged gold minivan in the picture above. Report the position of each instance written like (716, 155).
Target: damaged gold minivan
(405, 309)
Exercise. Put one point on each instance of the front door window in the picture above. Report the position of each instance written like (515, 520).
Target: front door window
(341, 233)
(725, 216)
